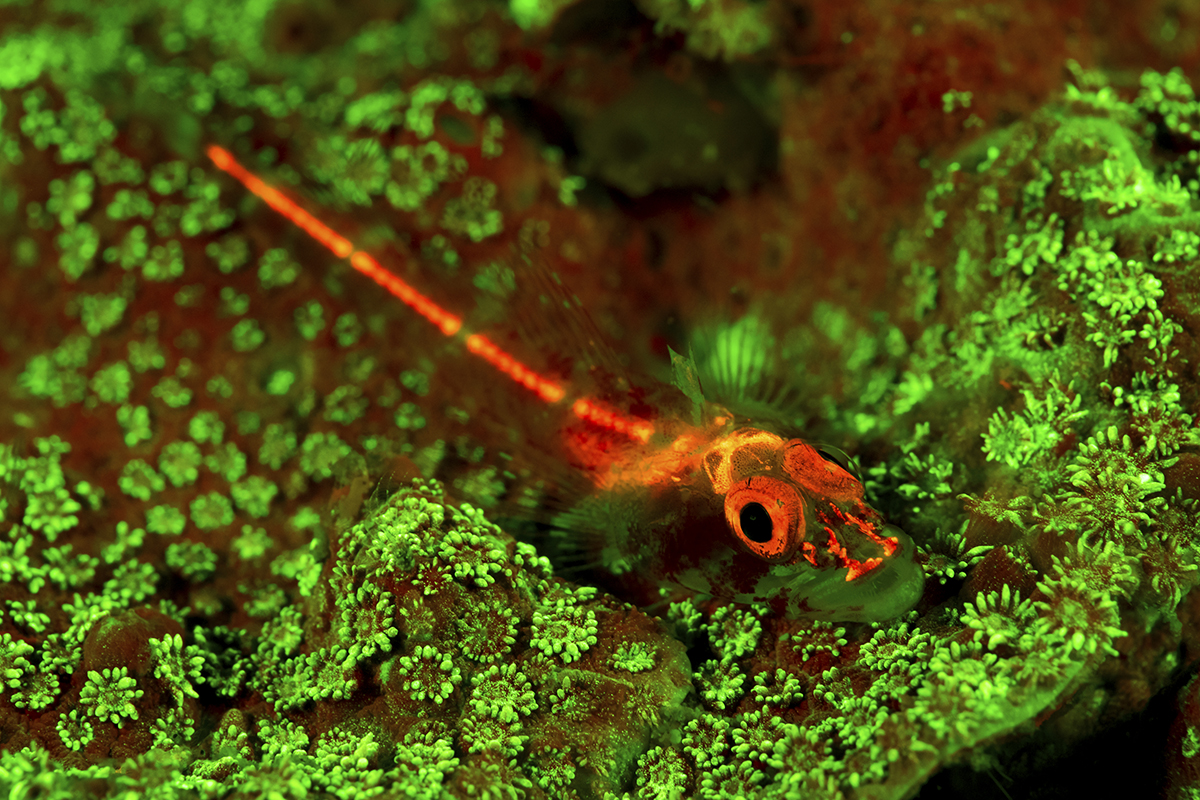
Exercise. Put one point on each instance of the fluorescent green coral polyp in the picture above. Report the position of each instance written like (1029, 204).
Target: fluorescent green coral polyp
(428, 674)
(566, 631)
(109, 695)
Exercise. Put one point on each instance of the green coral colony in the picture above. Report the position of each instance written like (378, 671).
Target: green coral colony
(205, 597)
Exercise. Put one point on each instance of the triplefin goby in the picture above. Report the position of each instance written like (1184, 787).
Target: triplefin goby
(720, 497)
(664, 487)
(720, 504)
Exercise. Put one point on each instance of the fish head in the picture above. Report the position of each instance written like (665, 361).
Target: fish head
(781, 522)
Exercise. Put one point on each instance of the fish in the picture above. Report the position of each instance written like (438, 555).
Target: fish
(695, 486)
(720, 498)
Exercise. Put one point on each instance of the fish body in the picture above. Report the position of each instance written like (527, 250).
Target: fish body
(680, 493)
(720, 496)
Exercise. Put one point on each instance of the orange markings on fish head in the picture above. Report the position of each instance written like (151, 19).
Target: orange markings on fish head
(819, 474)
(764, 509)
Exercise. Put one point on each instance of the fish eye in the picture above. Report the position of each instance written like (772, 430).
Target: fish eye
(756, 523)
(766, 516)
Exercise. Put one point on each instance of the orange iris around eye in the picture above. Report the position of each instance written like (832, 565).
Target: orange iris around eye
(766, 515)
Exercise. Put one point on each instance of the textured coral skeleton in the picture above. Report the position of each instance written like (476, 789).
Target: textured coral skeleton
(228, 568)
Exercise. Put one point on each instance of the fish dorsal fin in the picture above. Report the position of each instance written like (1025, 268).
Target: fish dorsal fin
(738, 366)
(546, 327)
(553, 327)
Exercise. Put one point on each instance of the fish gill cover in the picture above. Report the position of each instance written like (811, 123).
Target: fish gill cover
(248, 501)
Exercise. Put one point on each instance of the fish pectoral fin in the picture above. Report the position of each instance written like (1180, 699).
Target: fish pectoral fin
(739, 366)
(696, 581)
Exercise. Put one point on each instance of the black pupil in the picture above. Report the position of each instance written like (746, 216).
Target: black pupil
(756, 522)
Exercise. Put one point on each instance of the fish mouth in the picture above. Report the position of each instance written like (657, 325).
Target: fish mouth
(851, 543)
(845, 592)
